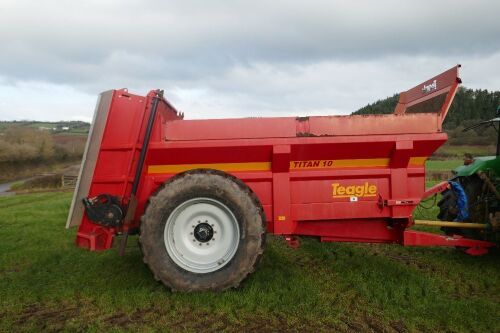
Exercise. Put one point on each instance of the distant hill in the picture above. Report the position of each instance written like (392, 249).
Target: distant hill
(31, 147)
(58, 127)
(469, 107)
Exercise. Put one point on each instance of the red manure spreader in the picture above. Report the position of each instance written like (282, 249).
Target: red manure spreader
(202, 194)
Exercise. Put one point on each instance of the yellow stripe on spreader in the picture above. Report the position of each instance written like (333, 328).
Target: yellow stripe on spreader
(294, 165)
(231, 167)
(367, 162)
(418, 161)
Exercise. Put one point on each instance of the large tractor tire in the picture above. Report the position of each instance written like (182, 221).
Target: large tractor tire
(473, 187)
(203, 230)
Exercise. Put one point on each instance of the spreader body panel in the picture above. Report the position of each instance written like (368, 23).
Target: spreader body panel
(340, 178)
(307, 178)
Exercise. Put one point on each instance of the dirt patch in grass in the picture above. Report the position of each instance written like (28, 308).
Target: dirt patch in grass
(370, 323)
(39, 317)
(398, 326)
(196, 321)
(12, 269)
(125, 320)
(45, 318)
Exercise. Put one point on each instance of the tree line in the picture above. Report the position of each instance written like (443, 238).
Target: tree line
(24, 144)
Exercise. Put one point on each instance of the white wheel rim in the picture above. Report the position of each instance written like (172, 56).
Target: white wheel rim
(201, 235)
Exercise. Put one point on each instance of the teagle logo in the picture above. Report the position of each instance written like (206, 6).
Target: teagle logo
(364, 190)
(430, 87)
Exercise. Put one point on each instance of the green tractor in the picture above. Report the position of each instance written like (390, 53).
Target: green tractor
(473, 194)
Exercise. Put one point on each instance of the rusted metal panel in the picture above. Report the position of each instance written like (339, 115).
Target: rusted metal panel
(218, 129)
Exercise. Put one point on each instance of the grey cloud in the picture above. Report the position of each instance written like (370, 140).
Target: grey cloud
(221, 58)
(63, 40)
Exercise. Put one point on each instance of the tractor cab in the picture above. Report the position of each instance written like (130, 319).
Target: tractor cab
(473, 165)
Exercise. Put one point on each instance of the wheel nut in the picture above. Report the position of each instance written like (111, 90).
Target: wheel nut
(208, 244)
(190, 233)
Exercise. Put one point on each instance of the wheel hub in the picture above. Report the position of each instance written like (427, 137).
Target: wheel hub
(201, 235)
(203, 232)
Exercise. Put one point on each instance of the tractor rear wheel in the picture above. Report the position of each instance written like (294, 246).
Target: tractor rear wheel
(203, 230)
(448, 210)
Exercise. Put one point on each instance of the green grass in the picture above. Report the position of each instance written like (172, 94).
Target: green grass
(448, 150)
(48, 284)
(443, 165)
(451, 157)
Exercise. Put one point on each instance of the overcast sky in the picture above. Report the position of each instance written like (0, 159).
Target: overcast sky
(237, 58)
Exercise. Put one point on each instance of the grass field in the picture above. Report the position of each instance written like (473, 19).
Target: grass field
(75, 127)
(443, 165)
(458, 151)
(449, 157)
(47, 284)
